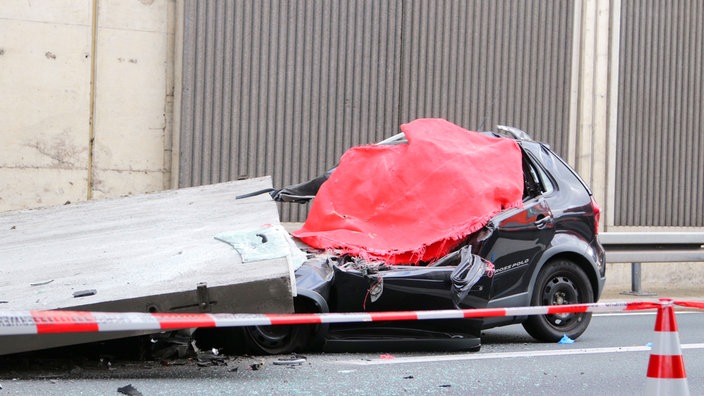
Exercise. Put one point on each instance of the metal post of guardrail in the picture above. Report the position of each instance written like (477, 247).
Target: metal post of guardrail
(636, 289)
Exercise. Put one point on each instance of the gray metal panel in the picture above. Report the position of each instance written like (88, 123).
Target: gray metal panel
(285, 87)
(660, 169)
(482, 63)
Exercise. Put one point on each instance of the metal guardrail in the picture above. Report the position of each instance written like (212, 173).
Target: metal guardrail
(651, 247)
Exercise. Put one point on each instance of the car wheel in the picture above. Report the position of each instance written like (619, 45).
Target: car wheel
(280, 339)
(560, 282)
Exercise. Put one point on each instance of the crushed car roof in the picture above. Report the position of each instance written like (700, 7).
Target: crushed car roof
(414, 202)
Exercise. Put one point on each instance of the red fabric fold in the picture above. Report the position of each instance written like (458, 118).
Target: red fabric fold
(415, 202)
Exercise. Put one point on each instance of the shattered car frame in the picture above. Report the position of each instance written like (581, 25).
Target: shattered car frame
(543, 253)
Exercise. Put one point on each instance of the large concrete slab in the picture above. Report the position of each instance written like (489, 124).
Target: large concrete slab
(141, 253)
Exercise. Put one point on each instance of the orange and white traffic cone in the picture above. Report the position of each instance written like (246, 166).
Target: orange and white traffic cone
(666, 375)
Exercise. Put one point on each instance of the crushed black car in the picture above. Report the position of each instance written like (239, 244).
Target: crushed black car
(544, 252)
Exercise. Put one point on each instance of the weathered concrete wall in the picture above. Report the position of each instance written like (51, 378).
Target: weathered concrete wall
(44, 102)
(66, 63)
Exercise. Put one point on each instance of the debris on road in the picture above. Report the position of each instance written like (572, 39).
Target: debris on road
(171, 345)
(256, 366)
(129, 390)
(566, 340)
(293, 360)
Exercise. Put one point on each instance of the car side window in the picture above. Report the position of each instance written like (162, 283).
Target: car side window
(535, 181)
(545, 181)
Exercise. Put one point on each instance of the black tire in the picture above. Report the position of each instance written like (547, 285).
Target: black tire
(280, 339)
(275, 340)
(560, 282)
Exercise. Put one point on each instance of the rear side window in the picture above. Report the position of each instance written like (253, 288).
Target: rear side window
(536, 181)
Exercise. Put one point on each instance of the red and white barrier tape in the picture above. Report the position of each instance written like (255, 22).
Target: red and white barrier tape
(45, 322)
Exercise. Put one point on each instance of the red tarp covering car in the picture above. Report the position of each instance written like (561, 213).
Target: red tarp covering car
(411, 203)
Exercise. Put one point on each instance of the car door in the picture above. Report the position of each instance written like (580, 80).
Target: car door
(518, 237)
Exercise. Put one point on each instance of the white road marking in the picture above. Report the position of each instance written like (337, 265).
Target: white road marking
(650, 313)
(504, 355)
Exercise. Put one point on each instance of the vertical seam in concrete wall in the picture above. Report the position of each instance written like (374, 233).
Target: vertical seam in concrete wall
(177, 87)
(612, 130)
(91, 116)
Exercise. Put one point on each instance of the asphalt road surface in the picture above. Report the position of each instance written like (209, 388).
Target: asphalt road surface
(611, 358)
